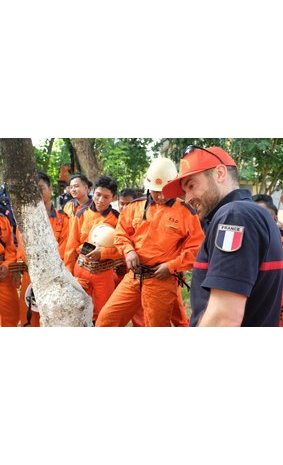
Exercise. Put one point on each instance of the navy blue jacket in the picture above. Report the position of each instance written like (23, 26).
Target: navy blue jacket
(242, 253)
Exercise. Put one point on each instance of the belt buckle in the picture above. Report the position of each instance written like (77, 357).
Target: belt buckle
(81, 261)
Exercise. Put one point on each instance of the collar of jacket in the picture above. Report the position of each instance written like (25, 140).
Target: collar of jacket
(83, 209)
(150, 201)
(237, 194)
(104, 213)
(169, 202)
(76, 202)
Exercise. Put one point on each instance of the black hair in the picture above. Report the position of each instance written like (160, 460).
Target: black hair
(128, 192)
(267, 200)
(262, 198)
(43, 176)
(83, 178)
(107, 182)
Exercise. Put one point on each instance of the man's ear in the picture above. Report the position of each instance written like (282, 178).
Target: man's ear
(221, 173)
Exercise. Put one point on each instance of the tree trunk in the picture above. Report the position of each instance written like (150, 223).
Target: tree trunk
(60, 299)
(86, 158)
(50, 145)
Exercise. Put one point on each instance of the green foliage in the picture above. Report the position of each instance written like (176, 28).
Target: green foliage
(126, 160)
(187, 275)
(260, 161)
(50, 161)
(174, 148)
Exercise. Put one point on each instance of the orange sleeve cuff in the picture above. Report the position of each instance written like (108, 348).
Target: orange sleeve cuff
(128, 248)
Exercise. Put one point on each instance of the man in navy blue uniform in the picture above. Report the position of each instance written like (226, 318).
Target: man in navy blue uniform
(237, 277)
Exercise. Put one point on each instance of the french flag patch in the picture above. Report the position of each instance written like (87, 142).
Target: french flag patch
(229, 237)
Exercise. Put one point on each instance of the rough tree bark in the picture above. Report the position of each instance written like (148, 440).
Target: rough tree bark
(86, 157)
(61, 300)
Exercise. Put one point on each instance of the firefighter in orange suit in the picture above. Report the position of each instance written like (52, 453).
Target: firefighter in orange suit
(59, 222)
(79, 190)
(159, 238)
(101, 285)
(179, 314)
(9, 300)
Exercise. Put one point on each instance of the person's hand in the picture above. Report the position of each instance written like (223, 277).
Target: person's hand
(132, 261)
(3, 272)
(162, 271)
(93, 256)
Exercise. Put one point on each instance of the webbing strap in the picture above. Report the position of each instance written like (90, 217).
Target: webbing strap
(29, 314)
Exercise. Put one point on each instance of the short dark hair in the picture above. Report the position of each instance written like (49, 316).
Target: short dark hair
(107, 182)
(128, 192)
(232, 170)
(234, 173)
(262, 198)
(83, 178)
(44, 177)
(267, 200)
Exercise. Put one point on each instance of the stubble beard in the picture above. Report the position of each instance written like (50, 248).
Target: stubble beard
(208, 201)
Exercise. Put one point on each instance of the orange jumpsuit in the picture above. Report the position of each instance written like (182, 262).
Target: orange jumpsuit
(100, 285)
(167, 233)
(60, 225)
(9, 300)
(179, 314)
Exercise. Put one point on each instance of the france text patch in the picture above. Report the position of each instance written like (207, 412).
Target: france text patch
(229, 237)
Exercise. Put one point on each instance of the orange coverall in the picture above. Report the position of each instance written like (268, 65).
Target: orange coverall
(167, 233)
(179, 315)
(100, 285)
(9, 300)
(60, 225)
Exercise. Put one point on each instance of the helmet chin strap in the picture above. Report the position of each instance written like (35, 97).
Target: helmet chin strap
(147, 204)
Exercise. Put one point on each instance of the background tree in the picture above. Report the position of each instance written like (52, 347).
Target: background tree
(87, 157)
(260, 161)
(61, 300)
(50, 162)
(174, 148)
(126, 160)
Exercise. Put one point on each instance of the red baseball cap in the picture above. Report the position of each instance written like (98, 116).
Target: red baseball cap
(195, 160)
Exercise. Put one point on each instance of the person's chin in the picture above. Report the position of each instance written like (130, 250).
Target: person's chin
(161, 202)
(100, 208)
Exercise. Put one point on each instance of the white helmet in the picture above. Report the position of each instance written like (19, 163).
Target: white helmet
(161, 171)
(102, 235)
(30, 299)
